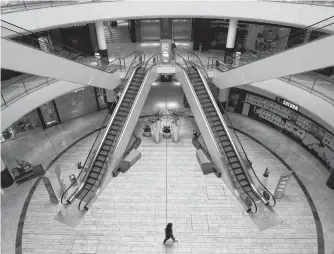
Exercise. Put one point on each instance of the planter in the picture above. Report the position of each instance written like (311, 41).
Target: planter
(175, 132)
(156, 127)
(147, 134)
(166, 135)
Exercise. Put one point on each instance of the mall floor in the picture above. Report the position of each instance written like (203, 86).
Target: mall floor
(132, 212)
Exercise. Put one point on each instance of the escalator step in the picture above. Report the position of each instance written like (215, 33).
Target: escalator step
(120, 118)
(98, 164)
(241, 177)
(103, 152)
(228, 148)
(205, 100)
(91, 180)
(210, 109)
(123, 109)
(119, 123)
(93, 175)
(101, 158)
(96, 169)
(226, 143)
(235, 165)
(244, 183)
(232, 159)
(230, 154)
(219, 128)
(126, 104)
(247, 188)
(108, 142)
(128, 100)
(130, 96)
(112, 132)
(215, 123)
(213, 113)
(82, 193)
(122, 113)
(238, 171)
(215, 118)
(88, 186)
(207, 105)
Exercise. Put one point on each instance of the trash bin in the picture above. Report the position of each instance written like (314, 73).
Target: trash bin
(73, 180)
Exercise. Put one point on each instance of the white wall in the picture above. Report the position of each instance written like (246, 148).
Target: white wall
(270, 12)
(15, 56)
(316, 108)
(33, 100)
(314, 55)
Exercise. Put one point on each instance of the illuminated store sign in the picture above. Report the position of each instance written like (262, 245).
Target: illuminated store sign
(287, 103)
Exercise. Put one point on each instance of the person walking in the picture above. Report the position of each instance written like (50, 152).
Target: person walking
(169, 233)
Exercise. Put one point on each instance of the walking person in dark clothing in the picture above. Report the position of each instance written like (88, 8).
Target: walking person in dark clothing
(169, 233)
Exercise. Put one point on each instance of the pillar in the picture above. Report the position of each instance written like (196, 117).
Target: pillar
(232, 32)
(223, 96)
(101, 40)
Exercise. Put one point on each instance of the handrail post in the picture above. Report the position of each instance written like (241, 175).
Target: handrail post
(24, 86)
(3, 99)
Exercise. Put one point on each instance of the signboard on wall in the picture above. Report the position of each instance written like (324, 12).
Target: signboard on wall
(287, 103)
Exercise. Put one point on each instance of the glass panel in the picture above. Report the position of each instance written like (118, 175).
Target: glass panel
(77, 103)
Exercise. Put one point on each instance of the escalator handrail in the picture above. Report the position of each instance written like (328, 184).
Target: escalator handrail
(234, 147)
(213, 138)
(90, 202)
(106, 133)
(158, 54)
(103, 139)
(183, 60)
(130, 148)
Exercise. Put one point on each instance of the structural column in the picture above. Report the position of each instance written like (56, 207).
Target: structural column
(101, 40)
(232, 32)
(223, 96)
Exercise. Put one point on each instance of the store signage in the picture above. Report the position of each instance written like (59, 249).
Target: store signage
(281, 185)
(287, 103)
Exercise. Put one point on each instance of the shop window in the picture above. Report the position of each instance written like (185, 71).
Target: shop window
(23, 126)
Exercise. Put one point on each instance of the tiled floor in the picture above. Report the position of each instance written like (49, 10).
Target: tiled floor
(129, 217)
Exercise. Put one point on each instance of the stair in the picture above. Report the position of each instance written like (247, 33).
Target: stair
(99, 166)
(239, 178)
(120, 33)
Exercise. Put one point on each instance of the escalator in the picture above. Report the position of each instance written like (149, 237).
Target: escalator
(235, 167)
(225, 152)
(116, 141)
(108, 145)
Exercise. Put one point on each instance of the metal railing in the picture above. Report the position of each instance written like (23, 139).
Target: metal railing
(16, 6)
(22, 87)
(315, 84)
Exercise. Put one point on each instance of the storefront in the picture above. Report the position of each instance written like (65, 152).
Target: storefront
(286, 117)
(67, 107)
